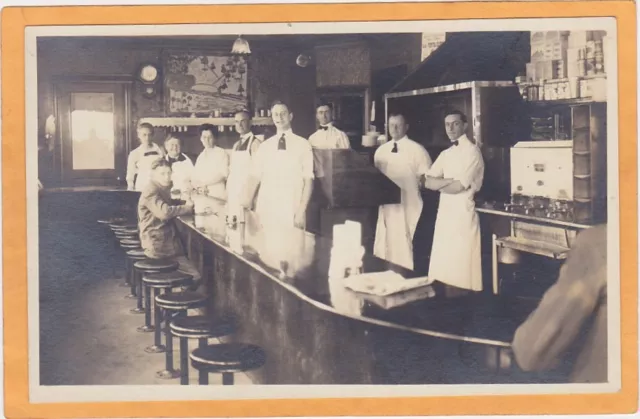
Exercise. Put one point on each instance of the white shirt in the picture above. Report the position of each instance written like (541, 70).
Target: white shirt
(182, 170)
(462, 162)
(139, 164)
(298, 149)
(211, 165)
(331, 138)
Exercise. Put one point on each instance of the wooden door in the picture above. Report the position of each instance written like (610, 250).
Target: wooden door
(94, 131)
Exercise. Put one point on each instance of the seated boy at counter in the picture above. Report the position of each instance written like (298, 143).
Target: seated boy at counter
(156, 218)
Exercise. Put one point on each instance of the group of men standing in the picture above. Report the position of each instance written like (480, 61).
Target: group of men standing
(281, 171)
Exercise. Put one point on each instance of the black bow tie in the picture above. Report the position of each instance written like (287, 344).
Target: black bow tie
(454, 143)
(324, 128)
(395, 147)
(282, 144)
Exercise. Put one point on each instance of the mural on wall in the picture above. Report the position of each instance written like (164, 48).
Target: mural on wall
(205, 83)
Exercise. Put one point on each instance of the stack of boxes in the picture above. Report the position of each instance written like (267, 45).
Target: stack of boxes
(566, 64)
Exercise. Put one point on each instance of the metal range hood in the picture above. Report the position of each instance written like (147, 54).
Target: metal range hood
(471, 56)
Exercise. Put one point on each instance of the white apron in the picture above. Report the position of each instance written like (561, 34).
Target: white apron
(397, 222)
(239, 172)
(455, 257)
(282, 245)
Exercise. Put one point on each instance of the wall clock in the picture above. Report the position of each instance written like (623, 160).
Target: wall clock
(148, 75)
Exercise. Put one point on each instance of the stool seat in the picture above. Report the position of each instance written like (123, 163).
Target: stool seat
(130, 241)
(157, 265)
(132, 246)
(123, 225)
(201, 326)
(228, 357)
(136, 253)
(181, 299)
(114, 220)
(123, 234)
(167, 279)
(128, 230)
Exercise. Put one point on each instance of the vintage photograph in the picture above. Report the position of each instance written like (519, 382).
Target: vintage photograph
(368, 208)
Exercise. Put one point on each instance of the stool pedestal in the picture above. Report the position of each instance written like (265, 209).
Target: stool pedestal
(148, 266)
(173, 303)
(226, 359)
(201, 328)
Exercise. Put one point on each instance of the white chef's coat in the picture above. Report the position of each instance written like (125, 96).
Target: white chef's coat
(211, 164)
(397, 222)
(282, 174)
(455, 257)
(331, 138)
(240, 164)
(181, 172)
(139, 164)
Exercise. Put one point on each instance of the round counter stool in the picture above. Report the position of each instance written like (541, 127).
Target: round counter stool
(149, 266)
(130, 244)
(122, 225)
(197, 327)
(132, 256)
(126, 234)
(226, 359)
(127, 245)
(162, 282)
(175, 304)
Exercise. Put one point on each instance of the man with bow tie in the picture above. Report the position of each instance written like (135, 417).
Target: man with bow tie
(283, 169)
(327, 136)
(140, 159)
(403, 161)
(457, 174)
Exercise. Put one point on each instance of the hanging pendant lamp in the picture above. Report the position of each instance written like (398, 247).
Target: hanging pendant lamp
(241, 47)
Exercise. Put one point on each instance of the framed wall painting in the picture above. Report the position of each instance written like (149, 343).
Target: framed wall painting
(205, 82)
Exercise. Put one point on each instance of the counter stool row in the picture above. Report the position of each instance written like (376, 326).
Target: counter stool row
(144, 276)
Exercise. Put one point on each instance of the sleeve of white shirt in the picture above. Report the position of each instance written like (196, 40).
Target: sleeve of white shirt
(343, 141)
(377, 158)
(424, 161)
(257, 163)
(473, 175)
(131, 166)
(224, 163)
(307, 162)
(436, 170)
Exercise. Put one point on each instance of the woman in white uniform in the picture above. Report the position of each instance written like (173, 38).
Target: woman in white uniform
(403, 161)
(457, 174)
(181, 166)
(212, 166)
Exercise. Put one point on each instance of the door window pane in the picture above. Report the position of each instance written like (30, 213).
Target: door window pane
(93, 131)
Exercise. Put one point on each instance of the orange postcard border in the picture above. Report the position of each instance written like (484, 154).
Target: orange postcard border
(14, 21)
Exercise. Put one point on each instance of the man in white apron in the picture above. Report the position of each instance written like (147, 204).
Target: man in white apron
(403, 161)
(283, 169)
(140, 159)
(457, 174)
(327, 136)
(242, 154)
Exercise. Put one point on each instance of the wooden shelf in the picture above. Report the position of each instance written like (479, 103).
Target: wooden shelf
(191, 122)
(534, 247)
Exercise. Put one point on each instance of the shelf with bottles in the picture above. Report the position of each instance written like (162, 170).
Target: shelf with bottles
(574, 90)
(191, 121)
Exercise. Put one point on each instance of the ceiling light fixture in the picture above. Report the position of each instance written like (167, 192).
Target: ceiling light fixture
(241, 47)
